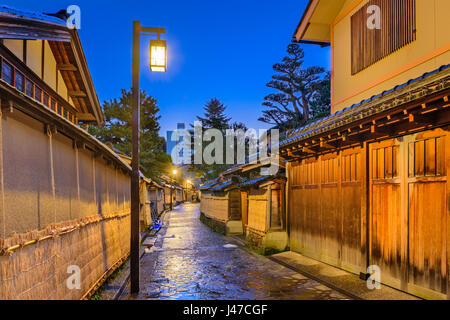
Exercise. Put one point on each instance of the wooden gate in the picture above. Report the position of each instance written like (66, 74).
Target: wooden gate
(325, 207)
(409, 213)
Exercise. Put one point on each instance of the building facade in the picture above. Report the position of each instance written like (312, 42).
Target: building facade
(368, 184)
(64, 195)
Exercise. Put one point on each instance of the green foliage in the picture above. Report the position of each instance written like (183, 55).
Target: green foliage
(117, 131)
(214, 118)
(302, 93)
(321, 101)
(215, 115)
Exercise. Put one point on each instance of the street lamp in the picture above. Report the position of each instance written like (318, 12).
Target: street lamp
(159, 57)
(174, 172)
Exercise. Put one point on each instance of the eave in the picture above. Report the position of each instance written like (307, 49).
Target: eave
(67, 50)
(78, 79)
(315, 25)
(304, 21)
(417, 105)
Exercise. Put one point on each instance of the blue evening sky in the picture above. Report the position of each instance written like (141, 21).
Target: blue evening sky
(216, 48)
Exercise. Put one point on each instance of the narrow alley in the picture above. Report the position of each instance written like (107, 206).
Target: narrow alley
(191, 262)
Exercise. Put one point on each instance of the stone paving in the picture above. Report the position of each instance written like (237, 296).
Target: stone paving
(191, 262)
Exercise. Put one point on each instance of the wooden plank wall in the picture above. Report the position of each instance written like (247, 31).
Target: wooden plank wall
(325, 205)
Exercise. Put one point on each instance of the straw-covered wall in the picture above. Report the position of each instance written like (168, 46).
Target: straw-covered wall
(40, 270)
(215, 207)
(157, 196)
(257, 210)
(62, 204)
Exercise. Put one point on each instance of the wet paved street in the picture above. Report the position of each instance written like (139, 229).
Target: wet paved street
(189, 261)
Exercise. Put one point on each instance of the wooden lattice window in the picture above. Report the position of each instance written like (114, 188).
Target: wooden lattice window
(351, 168)
(310, 172)
(427, 158)
(373, 39)
(330, 170)
(385, 163)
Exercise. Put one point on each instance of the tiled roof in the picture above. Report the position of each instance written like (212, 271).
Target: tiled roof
(408, 91)
(30, 15)
(259, 180)
(221, 186)
(209, 184)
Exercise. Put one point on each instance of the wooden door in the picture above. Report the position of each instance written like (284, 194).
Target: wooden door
(352, 164)
(244, 210)
(386, 218)
(409, 213)
(428, 212)
(330, 229)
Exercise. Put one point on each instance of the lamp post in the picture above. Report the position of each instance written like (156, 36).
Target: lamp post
(158, 59)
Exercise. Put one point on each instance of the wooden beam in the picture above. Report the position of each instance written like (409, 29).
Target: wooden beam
(80, 145)
(376, 132)
(345, 138)
(66, 67)
(85, 117)
(325, 145)
(77, 94)
(308, 150)
(422, 118)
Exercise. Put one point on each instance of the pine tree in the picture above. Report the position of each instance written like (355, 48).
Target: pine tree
(117, 130)
(215, 115)
(321, 100)
(297, 87)
(214, 118)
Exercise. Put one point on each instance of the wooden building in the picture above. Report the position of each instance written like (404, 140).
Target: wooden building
(263, 207)
(65, 196)
(220, 206)
(368, 185)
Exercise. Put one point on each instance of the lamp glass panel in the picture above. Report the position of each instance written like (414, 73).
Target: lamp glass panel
(158, 56)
